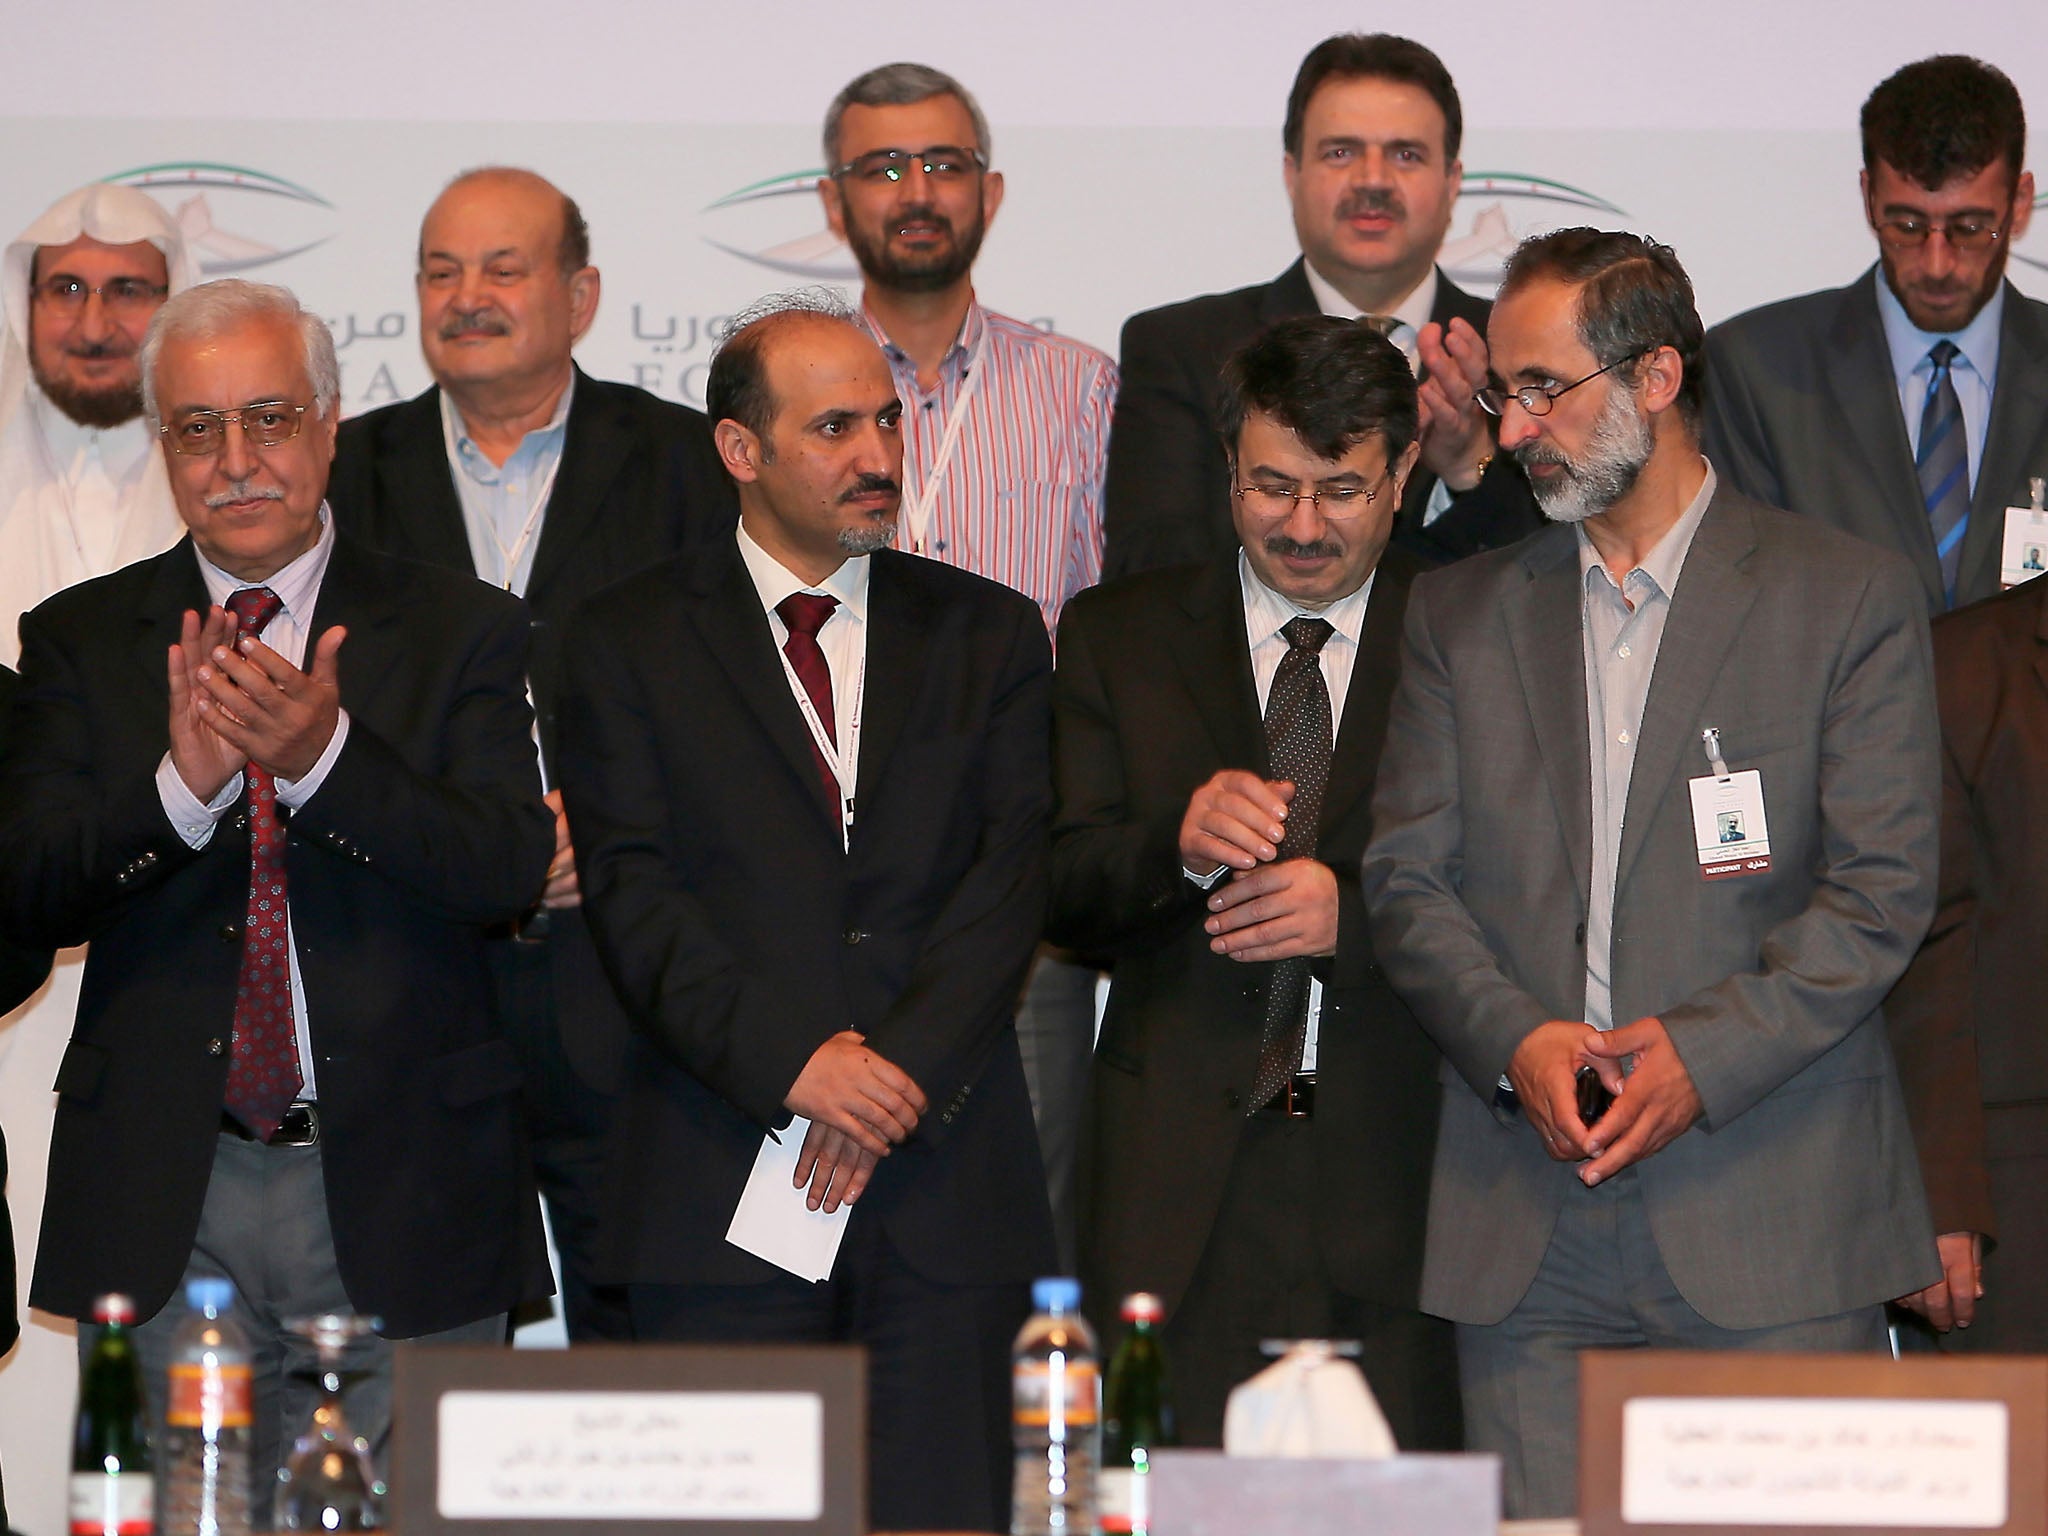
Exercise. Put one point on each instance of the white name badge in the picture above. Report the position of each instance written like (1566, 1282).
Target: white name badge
(1728, 824)
(2025, 551)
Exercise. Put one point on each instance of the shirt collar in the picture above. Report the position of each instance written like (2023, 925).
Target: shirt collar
(297, 585)
(1413, 311)
(1661, 567)
(462, 448)
(1265, 610)
(1977, 341)
(775, 581)
(119, 447)
(967, 345)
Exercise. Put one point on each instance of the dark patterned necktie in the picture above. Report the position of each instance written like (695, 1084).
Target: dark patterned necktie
(1298, 739)
(263, 1070)
(1942, 465)
(804, 614)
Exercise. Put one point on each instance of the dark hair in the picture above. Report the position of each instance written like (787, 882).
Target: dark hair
(1374, 56)
(900, 85)
(1634, 297)
(1331, 382)
(1944, 117)
(736, 384)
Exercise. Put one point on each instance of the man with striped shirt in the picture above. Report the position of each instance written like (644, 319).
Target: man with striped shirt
(1005, 439)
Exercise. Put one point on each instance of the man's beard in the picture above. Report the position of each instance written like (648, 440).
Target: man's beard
(1994, 274)
(101, 407)
(1617, 448)
(880, 530)
(930, 272)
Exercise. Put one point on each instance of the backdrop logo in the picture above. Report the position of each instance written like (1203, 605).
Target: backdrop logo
(780, 224)
(1497, 210)
(235, 219)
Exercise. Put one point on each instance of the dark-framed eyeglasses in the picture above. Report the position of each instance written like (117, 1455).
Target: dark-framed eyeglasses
(942, 162)
(1904, 232)
(1537, 399)
(63, 294)
(202, 434)
(1335, 502)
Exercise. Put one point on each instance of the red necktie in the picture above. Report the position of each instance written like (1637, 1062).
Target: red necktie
(263, 1070)
(804, 614)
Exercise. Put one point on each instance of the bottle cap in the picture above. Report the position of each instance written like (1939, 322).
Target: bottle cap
(1056, 1293)
(1142, 1307)
(114, 1308)
(210, 1293)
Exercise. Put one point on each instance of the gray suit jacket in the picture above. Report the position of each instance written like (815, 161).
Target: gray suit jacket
(1796, 1195)
(1803, 412)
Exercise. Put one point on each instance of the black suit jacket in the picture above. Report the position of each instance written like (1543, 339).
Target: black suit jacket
(639, 482)
(1803, 412)
(428, 827)
(1167, 498)
(22, 969)
(741, 936)
(1154, 696)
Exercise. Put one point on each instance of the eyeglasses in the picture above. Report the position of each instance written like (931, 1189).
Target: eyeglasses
(942, 162)
(1537, 399)
(202, 434)
(1335, 502)
(1906, 233)
(66, 295)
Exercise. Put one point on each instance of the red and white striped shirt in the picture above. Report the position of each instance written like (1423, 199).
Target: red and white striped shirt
(1019, 497)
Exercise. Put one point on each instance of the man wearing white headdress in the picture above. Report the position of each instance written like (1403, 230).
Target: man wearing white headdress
(82, 493)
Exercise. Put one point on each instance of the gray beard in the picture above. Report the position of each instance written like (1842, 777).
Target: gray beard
(866, 539)
(1620, 444)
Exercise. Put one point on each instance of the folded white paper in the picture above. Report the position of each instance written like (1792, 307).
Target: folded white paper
(773, 1222)
(1310, 1402)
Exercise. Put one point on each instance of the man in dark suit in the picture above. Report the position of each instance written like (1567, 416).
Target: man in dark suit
(810, 785)
(1911, 407)
(1967, 1019)
(1372, 134)
(283, 826)
(1257, 1203)
(519, 468)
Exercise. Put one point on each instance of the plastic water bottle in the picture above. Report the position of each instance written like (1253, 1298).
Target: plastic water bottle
(1056, 1413)
(206, 1430)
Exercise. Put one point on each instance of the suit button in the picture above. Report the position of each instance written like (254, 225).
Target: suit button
(229, 932)
(242, 822)
(1579, 934)
(854, 935)
(946, 1118)
(216, 1046)
(1230, 1100)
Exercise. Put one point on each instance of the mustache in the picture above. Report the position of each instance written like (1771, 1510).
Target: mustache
(244, 490)
(1379, 200)
(870, 485)
(474, 322)
(1528, 455)
(113, 346)
(920, 213)
(1321, 549)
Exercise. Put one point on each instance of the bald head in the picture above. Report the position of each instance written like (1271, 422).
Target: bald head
(505, 285)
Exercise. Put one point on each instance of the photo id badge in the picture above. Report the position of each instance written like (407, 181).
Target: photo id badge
(1728, 825)
(2024, 554)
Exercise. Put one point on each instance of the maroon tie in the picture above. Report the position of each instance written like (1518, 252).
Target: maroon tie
(263, 1071)
(804, 614)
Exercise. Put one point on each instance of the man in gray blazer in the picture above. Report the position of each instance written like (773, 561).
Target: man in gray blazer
(1840, 404)
(1578, 718)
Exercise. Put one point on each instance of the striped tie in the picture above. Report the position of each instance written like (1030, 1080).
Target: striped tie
(1943, 466)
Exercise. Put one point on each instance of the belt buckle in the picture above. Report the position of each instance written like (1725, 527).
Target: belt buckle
(532, 927)
(1295, 1100)
(298, 1126)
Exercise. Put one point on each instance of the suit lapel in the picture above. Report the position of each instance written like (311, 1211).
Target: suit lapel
(352, 596)
(1374, 671)
(2019, 418)
(1707, 612)
(1288, 295)
(1865, 391)
(899, 627)
(1216, 666)
(726, 608)
(416, 496)
(595, 447)
(1543, 619)
(175, 586)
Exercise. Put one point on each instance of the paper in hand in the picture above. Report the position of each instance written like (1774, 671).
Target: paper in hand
(773, 1220)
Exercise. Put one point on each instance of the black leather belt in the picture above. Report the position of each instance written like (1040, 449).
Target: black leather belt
(298, 1126)
(1296, 1100)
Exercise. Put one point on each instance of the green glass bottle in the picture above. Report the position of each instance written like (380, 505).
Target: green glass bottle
(1137, 1418)
(112, 1491)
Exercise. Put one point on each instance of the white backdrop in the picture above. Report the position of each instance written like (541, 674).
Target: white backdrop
(1140, 140)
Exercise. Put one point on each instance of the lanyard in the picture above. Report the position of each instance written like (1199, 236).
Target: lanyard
(918, 505)
(533, 517)
(847, 772)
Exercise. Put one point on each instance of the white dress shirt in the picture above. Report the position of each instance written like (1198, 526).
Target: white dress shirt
(297, 587)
